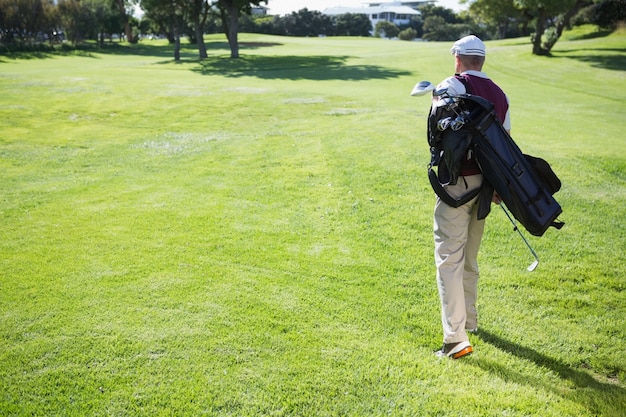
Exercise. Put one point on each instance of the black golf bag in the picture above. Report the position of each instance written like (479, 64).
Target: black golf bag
(524, 183)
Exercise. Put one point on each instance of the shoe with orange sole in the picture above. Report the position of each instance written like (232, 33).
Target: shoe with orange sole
(455, 350)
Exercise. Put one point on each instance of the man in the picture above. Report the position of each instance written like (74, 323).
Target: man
(458, 231)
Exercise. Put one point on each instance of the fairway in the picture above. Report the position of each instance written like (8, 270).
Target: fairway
(253, 237)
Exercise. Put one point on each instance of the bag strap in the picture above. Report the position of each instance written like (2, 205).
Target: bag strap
(443, 194)
(557, 224)
(463, 81)
(434, 179)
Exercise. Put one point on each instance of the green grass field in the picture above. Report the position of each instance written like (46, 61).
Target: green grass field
(253, 237)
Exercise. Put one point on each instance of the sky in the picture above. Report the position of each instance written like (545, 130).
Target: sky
(282, 7)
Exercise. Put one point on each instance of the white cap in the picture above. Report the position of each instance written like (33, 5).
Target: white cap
(469, 45)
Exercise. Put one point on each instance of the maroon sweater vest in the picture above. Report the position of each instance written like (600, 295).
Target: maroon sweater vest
(485, 88)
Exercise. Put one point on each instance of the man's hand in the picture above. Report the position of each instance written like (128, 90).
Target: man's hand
(496, 198)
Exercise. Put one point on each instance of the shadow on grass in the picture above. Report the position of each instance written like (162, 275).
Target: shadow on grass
(600, 398)
(187, 50)
(613, 59)
(261, 66)
(295, 68)
(143, 48)
(602, 33)
(266, 67)
(46, 53)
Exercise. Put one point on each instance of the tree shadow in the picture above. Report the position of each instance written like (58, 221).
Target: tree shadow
(46, 54)
(293, 67)
(254, 45)
(187, 50)
(88, 50)
(158, 49)
(614, 58)
(600, 398)
(601, 33)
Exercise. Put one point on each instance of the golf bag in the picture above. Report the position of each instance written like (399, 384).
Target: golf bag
(525, 184)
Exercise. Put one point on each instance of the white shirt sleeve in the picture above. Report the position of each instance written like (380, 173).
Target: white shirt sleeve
(454, 86)
(507, 118)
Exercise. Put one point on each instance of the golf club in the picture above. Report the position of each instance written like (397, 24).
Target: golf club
(532, 266)
(462, 117)
(422, 88)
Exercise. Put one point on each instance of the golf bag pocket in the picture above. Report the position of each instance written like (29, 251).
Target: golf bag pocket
(545, 173)
(527, 195)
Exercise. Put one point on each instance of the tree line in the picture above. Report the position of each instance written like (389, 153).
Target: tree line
(39, 23)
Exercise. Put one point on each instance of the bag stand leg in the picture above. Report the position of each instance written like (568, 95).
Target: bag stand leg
(532, 266)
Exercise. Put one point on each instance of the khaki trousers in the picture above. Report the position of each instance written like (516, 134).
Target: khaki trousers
(457, 235)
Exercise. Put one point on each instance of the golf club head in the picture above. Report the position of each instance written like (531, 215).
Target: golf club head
(532, 266)
(422, 88)
(441, 92)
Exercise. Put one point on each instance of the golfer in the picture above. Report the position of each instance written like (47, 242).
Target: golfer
(458, 231)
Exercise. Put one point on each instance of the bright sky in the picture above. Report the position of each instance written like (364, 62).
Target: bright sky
(282, 7)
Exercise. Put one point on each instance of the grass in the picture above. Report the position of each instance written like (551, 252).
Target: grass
(253, 237)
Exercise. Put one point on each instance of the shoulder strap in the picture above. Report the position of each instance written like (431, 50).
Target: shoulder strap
(433, 177)
(463, 79)
(447, 198)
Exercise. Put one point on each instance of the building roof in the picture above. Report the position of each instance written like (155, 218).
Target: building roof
(412, 4)
(372, 10)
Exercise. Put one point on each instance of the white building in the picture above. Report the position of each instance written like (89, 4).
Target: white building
(397, 12)
(259, 10)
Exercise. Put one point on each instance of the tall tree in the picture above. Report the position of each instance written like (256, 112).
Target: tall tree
(25, 19)
(121, 7)
(169, 16)
(75, 19)
(229, 11)
(105, 19)
(495, 13)
(446, 14)
(553, 14)
(609, 13)
(199, 13)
